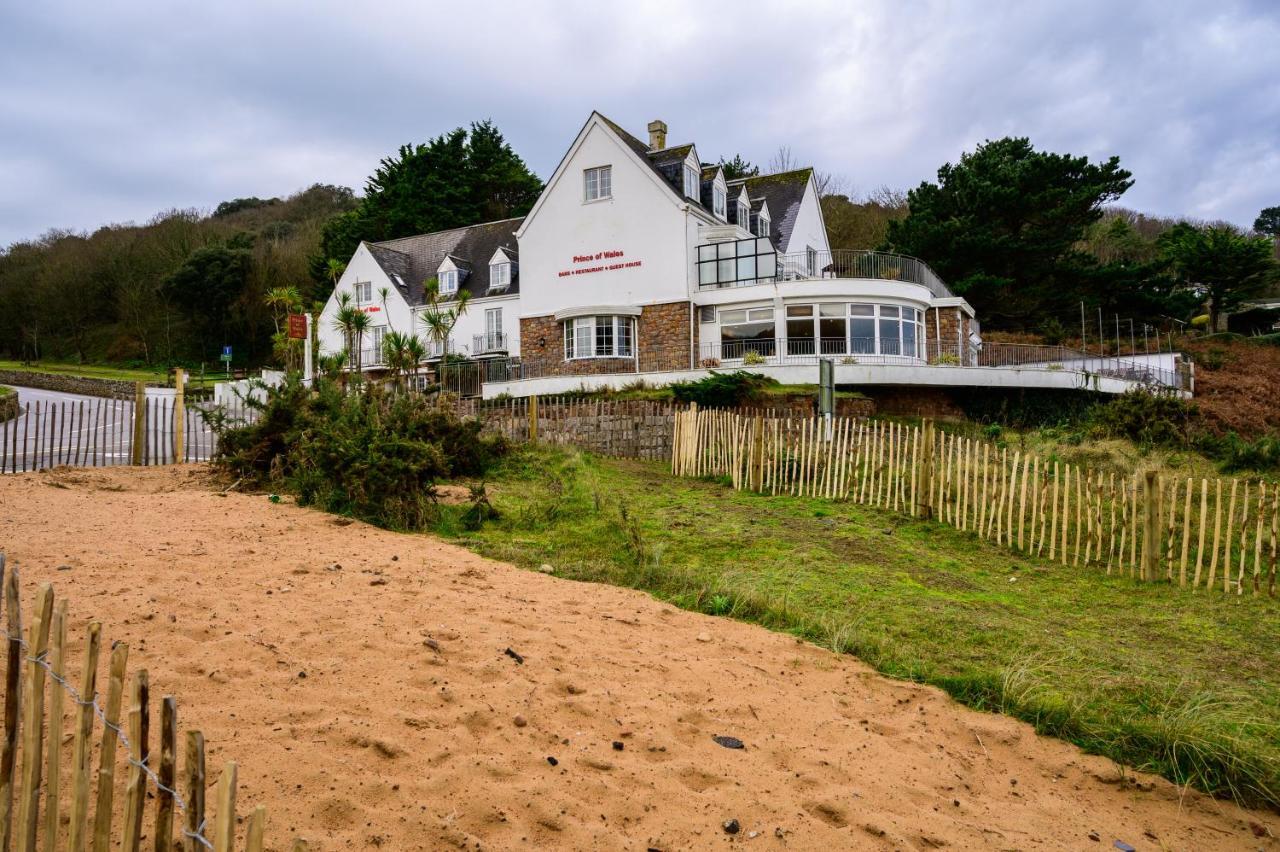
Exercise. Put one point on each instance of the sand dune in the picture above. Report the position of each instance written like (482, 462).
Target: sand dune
(362, 681)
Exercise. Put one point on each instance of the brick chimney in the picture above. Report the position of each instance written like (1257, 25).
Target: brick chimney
(657, 134)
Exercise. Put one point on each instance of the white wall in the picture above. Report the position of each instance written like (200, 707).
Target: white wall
(643, 220)
(394, 315)
(472, 322)
(809, 229)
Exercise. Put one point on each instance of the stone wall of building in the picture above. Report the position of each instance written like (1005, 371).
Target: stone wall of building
(662, 338)
(953, 324)
(70, 384)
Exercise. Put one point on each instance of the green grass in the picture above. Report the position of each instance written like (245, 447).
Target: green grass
(1185, 685)
(100, 371)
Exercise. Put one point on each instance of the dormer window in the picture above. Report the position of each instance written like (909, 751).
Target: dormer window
(691, 181)
(499, 276)
(762, 226)
(744, 216)
(597, 183)
(448, 282)
(718, 203)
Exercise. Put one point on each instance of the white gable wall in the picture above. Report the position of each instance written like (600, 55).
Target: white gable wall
(810, 229)
(564, 241)
(394, 315)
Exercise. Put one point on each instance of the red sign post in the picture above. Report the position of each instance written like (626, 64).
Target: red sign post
(297, 326)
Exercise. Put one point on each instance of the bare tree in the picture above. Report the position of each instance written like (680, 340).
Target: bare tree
(782, 160)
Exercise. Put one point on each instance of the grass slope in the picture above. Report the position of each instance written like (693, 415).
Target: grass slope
(100, 371)
(1185, 685)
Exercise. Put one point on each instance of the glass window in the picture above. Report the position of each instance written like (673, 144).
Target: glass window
(499, 276)
(862, 329)
(736, 262)
(449, 282)
(762, 226)
(718, 202)
(598, 337)
(597, 183)
(743, 331)
(890, 331)
(744, 216)
(364, 291)
(832, 329)
(690, 182)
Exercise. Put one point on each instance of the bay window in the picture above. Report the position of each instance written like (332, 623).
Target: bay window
(854, 329)
(599, 337)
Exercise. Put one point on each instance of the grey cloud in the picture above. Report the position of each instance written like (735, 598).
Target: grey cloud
(116, 111)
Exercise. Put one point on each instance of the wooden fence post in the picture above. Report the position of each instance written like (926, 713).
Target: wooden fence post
(533, 418)
(179, 415)
(1150, 526)
(139, 422)
(928, 453)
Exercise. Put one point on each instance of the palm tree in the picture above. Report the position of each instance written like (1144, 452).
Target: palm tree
(396, 351)
(283, 301)
(441, 314)
(416, 352)
(334, 269)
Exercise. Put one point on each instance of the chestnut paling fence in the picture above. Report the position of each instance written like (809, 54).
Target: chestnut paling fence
(47, 792)
(1199, 533)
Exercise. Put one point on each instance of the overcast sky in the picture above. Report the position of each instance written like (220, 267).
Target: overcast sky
(113, 111)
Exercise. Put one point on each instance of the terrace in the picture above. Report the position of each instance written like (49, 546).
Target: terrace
(796, 362)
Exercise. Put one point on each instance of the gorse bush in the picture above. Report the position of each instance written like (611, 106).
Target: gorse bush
(371, 455)
(1147, 419)
(722, 390)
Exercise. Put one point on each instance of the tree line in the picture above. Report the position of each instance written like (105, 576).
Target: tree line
(1026, 236)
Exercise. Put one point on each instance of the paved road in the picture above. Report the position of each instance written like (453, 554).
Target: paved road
(66, 428)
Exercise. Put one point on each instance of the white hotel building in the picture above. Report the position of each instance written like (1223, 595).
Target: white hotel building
(640, 261)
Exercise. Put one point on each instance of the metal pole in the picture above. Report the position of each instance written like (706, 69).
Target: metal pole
(1117, 334)
(1133, 346)
(1102, 335)
(306, 354)
(1083, 338)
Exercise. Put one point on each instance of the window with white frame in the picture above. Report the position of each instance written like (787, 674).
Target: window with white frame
(855, 329)
(493, 329)
(744, 216)
(499, 276)
(448, 282)
(718, 203)
(376, 335)
(364, 291)
(599, 337)
(762, 225)
(744, 330)
(691, 181)
(597, 183)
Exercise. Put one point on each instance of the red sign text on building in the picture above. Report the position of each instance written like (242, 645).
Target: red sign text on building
(601, 261)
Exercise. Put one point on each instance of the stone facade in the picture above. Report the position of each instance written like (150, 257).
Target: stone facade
(70, 384)
(662, 341)
(954, 325)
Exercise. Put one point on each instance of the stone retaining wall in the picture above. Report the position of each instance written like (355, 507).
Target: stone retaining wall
(71, 384)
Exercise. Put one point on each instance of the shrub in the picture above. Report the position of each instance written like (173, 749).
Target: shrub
(722, 390)
(370, 455)
(752, 358)
(1235, 453)
(1148, 419)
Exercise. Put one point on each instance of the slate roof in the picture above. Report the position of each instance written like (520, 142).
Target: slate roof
(415, 259)
(783, 192)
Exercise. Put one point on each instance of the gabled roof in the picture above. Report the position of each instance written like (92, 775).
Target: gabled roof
(664, 162)
(415, 259)
(783, 192)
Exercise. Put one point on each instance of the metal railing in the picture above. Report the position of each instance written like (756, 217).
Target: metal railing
(494, 341)
(771, 352)
(849, 263)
